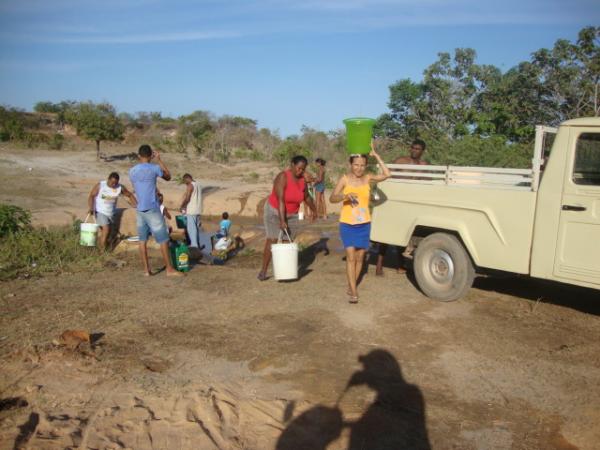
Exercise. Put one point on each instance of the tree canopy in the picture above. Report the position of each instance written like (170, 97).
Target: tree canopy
(97, 122)
(458, 98)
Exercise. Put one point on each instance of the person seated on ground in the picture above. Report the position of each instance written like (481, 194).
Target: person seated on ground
(224, 225)
(102, 203)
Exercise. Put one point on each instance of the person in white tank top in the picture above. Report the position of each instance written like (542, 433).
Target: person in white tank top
(102, 203)
(191, 206)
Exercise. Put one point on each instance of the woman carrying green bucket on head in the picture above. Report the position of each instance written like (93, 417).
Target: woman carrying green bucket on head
(353, 189)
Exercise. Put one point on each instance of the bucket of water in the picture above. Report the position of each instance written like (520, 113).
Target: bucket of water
(88, 233)
(285, 259)
(359, 132)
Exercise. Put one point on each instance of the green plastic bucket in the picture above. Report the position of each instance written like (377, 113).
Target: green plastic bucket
(359, 132)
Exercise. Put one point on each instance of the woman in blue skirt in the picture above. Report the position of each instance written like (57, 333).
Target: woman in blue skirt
(353, 189)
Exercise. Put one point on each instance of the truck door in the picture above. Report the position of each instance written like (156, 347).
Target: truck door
(578, 246)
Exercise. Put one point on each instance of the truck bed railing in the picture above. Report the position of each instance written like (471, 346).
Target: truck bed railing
(480, 177)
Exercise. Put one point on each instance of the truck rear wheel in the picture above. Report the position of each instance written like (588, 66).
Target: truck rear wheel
(443, 268)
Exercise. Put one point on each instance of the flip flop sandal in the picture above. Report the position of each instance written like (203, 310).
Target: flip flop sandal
(262, 277)
(353, 299)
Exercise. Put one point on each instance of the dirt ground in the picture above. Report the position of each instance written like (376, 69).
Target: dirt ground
(220, 360)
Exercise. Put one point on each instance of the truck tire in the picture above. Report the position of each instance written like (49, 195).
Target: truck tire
(443, 268)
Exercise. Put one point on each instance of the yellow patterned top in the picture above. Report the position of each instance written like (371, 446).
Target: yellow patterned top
(357, 213)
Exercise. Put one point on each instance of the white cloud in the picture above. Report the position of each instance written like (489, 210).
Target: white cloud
(48, 66)
(100, 39)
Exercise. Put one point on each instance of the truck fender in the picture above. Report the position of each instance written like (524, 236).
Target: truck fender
(441, 224)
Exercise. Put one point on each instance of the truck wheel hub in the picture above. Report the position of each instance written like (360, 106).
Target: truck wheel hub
(441, 266)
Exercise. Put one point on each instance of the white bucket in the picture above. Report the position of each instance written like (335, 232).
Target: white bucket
(285, 260)
(88, 233)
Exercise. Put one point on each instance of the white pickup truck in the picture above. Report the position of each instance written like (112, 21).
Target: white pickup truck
(543, 221)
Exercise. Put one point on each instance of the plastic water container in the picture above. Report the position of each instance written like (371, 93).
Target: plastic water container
(285, 261)
(180, 256)
(181, 222)
(88, 233)
(359, 132)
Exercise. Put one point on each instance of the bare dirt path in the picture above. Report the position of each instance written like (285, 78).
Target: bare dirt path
(220, 360)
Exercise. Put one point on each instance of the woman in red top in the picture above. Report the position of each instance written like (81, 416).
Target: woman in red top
(281, 207)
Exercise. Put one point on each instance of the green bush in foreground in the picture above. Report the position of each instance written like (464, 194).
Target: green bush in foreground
(13, 219)
(36, 251)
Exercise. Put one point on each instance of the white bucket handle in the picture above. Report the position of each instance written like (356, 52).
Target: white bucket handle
(280, 238)
(87, 217)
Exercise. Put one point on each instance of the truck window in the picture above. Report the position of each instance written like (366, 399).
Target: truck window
(587, 159)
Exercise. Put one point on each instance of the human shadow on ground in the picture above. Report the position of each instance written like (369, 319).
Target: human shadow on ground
(560, 294)
(308, 255)
(395, 420)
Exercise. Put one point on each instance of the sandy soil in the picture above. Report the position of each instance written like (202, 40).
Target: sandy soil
(54, 184)
(220, 360)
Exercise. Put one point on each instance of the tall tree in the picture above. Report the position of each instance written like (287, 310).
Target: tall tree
(97, 122)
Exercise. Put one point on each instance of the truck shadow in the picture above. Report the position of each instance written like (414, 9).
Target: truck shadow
(574, 297)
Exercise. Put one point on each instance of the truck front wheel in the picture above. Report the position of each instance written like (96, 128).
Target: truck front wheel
(443, 268)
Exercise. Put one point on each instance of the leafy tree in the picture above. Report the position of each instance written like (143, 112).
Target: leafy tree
(46, 107)
(196, 129)
(97, 122)
(458, 98)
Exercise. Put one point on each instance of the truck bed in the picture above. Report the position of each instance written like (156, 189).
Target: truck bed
(493, 207)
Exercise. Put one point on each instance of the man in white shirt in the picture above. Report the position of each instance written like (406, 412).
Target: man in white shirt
(191, 206)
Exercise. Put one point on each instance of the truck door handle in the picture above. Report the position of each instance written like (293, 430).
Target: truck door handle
(573, 208)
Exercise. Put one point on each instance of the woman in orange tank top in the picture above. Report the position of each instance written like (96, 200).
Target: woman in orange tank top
(353, 189)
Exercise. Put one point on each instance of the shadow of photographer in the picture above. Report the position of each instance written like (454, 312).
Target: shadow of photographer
(394, 420)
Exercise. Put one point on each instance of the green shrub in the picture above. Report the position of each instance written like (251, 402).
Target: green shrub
(56, 142)
(240, 153)
(290, 148)
(37, 251)
(13, 219)
(255, 155)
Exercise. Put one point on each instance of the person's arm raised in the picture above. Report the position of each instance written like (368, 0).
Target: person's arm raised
(385, 172)
(166, 175)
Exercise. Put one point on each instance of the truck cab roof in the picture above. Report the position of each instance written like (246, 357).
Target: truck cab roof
(583, 122)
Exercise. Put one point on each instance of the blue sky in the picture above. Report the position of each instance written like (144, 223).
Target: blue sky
(285, 63)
